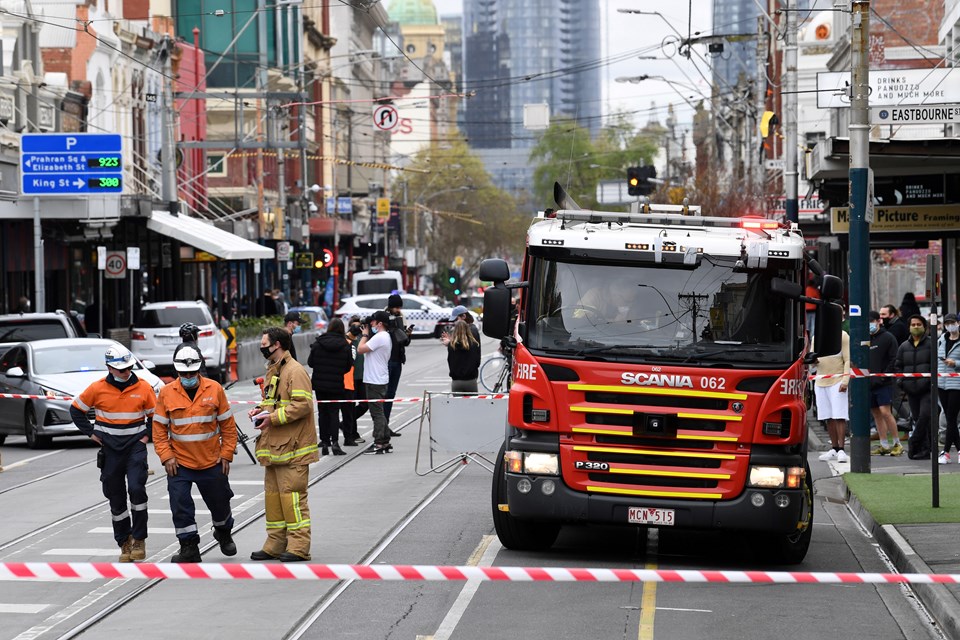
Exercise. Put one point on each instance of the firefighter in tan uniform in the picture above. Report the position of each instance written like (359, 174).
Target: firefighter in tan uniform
(286, 446)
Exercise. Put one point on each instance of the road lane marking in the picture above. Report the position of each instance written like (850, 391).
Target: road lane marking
(20, 463)
(22, 608)
(83, 552)
(681, 609)
(483, 556)
(167, 512)
(252, 483)
(158, 530)
(648, 600)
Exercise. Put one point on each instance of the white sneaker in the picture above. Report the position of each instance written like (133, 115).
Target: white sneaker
(944, 458)
(842, 456)
(829, 454)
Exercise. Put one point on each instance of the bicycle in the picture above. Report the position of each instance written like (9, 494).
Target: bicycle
(495, 371)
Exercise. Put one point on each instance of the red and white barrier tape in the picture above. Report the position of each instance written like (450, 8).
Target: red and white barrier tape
(863, 373)
(492, 396)
(279, 571)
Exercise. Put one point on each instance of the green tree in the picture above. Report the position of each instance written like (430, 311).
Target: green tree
(456, 209)
(566, 154)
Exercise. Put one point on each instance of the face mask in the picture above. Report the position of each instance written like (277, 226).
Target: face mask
(373, 329)
(190, 383)
(123, 379)
(886, 321)
(917, 331)
(951, 328)
(298, 329)
(266, 352)
(873, 327)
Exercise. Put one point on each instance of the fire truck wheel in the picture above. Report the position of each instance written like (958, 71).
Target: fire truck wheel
(792, 548)
(519, 535)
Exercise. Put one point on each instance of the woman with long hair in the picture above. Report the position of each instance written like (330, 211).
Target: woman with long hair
(463, 359)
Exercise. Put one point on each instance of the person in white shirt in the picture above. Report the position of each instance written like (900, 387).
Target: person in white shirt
(375, 345)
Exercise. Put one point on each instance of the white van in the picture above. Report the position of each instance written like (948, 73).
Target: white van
(377, 281)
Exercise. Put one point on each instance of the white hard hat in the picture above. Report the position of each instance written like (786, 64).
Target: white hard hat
(119, 357)
(187, 360)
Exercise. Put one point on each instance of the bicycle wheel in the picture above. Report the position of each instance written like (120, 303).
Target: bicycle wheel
(490, 372)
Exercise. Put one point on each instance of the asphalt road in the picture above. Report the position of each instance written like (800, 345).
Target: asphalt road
(378, 510)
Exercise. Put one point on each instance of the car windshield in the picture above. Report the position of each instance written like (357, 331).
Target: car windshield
(171, 317)
(376, 285)
(709, 312)
(32, 329)
(70, 359)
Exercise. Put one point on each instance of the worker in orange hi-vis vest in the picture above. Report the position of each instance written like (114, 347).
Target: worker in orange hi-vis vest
(123, 406)
(195, 435)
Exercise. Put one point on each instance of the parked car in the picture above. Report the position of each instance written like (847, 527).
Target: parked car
(157, 333)
(23, 327)
(418, 311)
(56, 368)
(316, 317)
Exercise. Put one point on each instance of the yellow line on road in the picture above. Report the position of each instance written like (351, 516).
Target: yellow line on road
(648, 600)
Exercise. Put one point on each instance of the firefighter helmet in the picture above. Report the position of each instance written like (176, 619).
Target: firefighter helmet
(187, 360)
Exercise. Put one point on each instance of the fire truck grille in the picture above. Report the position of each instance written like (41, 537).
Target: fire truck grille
(684, 402)
(656, 481)
(655, 442)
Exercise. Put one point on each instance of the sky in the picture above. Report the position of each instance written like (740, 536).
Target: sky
(645, 35)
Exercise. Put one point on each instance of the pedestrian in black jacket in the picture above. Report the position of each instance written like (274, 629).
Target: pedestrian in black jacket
(883, 356)
(913, 356)
(330, 358)
(893, 323)
(463, 359)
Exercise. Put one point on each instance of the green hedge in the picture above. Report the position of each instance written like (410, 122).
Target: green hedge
(248, 328)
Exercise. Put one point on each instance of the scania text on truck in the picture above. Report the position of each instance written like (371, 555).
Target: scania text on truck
(659, 376)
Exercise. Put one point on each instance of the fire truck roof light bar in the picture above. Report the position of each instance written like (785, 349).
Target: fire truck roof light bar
(597, 217)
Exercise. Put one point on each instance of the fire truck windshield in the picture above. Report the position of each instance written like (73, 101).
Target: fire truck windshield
(637, 311)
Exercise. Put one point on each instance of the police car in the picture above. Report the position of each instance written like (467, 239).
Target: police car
(417, 311)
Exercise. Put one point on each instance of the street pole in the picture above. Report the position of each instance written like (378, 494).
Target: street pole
(860, 218)
(262, 83)
(168, 142)
(790, 174)
(761, 106)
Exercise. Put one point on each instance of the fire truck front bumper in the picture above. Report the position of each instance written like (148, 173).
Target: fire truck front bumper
(548, 499)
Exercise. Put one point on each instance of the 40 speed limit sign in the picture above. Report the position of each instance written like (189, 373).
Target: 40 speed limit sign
(116, 265)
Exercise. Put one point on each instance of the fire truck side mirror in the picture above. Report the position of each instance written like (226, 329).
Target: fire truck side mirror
(496, 310)
(785, 288)
(494, 270)
(826, 334)
(831, 288)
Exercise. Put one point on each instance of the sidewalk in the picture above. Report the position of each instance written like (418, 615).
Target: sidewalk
(913, 548)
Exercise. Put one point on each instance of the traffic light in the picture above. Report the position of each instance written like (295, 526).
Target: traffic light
(453, 279)
(638, 180)
(633, 181)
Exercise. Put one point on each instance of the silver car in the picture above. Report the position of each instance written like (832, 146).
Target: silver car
(52, 368)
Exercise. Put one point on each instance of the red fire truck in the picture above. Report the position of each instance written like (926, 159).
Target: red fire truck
(659, 374)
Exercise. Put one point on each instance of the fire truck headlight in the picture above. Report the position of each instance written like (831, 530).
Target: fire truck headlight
(546, 464)
(513, 461)
(767, 477)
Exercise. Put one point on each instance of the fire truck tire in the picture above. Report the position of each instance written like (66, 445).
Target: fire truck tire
(792, 549)
(519, 535)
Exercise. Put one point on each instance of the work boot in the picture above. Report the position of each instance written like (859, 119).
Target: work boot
(227, 546)
(138, 552)
(125, 549)
(189, 552)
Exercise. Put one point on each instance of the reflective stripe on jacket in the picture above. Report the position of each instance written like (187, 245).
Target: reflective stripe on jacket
(292, 436)
(196, 432)
(120, 416)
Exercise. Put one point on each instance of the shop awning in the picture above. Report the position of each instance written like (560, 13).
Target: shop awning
(206, 237)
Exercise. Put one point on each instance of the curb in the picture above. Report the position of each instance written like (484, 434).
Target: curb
(938, 600)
